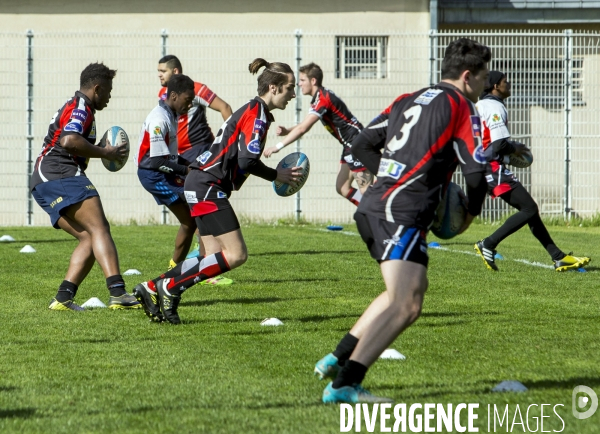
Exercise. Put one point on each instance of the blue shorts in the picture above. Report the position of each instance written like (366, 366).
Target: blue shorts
(166, 189)
(55, 196)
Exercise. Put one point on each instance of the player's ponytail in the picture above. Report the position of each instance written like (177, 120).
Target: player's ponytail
(275, 73)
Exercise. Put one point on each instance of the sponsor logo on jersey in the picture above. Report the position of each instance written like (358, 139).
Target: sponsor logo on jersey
(54, 202)
(395, 240)
(495, 117)
(259, 127)
(478, 155)
(90, 187)
(179, 181)
(74, 126)
(489, 178)
(426, 97)
(390, 168)
(476, 126)
(190, 196)
(221, 195)
(203, 158)
(254, 147)
(80, 115)
(157, 131)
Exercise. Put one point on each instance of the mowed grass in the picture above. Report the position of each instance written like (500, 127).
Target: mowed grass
(222, 372)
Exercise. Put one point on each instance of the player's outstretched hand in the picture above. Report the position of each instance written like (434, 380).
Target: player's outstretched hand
(282, 131)
(116, 153)
(270, 150)
(289, 175)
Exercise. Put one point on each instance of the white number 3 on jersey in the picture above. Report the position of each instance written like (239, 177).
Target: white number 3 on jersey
(412, 116)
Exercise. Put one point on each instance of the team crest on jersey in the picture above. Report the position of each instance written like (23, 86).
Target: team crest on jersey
(426, 97)
(495, 117)
(478, 155)
(390, 168)
(259, 127)
(254, 147)
(190, 196)
(203, 158)
(157, 131)
(221, 195)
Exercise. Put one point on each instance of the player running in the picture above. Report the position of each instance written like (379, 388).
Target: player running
(424, 136)
(233, 156)
(194, 136)
(60, 186)
(160, 168)
(337, 119)
(502, 183)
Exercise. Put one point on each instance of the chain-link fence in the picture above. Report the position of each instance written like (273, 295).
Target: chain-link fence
(554, 107)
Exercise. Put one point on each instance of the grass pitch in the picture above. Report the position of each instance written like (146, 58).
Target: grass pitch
(114, 372)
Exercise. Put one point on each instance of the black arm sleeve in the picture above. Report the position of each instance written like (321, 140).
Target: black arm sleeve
(368, 154)
(503, 147)
(257, 168)
(165, 165)
(476, 190)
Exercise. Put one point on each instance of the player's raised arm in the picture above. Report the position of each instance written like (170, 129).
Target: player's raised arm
(221, 106)
(292, 134)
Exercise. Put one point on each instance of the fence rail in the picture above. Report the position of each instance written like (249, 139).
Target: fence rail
(554, 108)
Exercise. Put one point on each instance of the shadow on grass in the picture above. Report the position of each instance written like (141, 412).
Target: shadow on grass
(19, 413)
(295, 280)
(232, 301)
(569, 383)
(308, 252)
(7, 388)
(321, 318)
(68, 240)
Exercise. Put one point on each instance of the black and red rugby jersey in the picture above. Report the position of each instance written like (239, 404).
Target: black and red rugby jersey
(193, 128)
(335, 116)
(75, 117)
(424, 136)
(243, 135)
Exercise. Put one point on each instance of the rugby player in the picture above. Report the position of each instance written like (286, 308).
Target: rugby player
(337, 119)
(231, 159)
(60, 186)
(413, 147)
(504, 184)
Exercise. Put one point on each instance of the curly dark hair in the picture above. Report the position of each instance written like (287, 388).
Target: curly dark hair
(96, 73)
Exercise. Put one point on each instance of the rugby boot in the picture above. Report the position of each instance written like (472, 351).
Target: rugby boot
(168, 302)
(327, 367)
(351, 395)
(570, 262)
(65, 305)
(149, 301)
(125, 301)
(487, 255)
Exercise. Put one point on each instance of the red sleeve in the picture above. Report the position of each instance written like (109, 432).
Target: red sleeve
(468, 137)
(206, 95)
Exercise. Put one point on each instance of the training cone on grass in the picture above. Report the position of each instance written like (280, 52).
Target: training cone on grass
(271, 322)
(93, 303)
(131, 272)
(392, 354)
(6, 239)
(27, 249)
(510, 386)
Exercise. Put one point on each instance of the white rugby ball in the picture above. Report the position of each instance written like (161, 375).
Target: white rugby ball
(115, 136)
(522, 161)
(450, 214)
(295, 159)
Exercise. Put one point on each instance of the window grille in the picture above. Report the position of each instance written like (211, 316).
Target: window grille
(363, 57)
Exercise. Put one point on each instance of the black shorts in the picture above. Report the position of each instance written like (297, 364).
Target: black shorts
(218, 223)
(353, 164)
(194, 152)
(203, 194)
(388, 241)
(500, 179)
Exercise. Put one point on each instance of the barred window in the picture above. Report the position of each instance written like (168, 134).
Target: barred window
(361, 56)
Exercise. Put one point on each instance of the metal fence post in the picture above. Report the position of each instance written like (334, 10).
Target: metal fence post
(29, 125)
(433, 43)
(298, 32)
(568, 84)
(164, 34)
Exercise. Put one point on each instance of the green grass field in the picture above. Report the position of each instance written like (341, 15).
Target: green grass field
(221, 372)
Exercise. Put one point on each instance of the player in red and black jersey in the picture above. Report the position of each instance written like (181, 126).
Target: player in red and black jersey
(59, 185)
(194, 135)
(413, 146)
(337, 119)
(233, 156)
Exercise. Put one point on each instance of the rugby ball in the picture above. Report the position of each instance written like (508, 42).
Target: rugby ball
(450, 214)
(522, 161)
(295, 159)
(115, 136)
